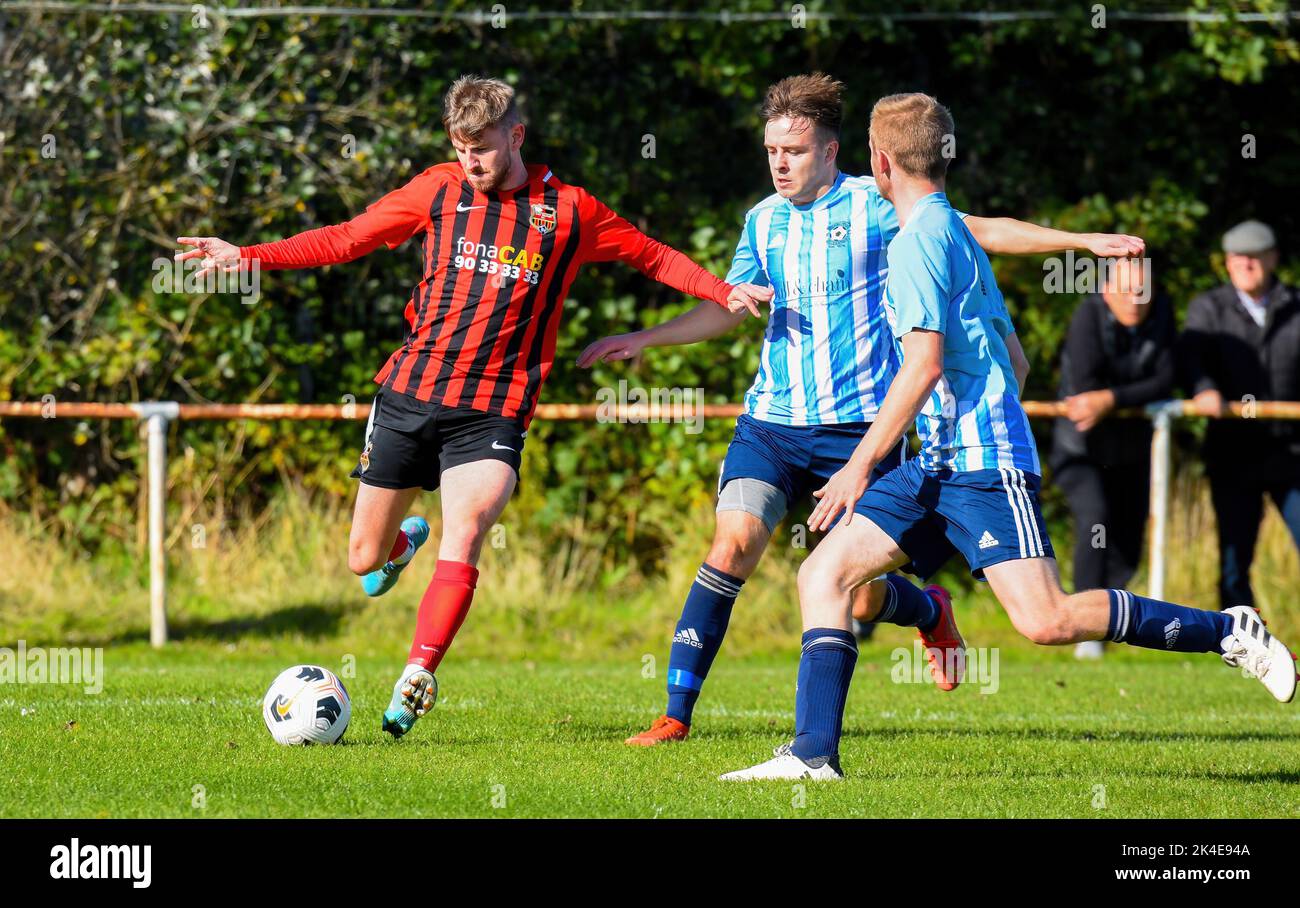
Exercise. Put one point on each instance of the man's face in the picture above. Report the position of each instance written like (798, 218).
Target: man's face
(800, 161)
(1252, 274)
(486, 158)
(1127, 290)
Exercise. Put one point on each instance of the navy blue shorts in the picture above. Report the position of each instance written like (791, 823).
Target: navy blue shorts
(989, 516)
(795, 459)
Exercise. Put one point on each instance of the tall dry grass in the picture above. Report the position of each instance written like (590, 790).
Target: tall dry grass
(283, 577)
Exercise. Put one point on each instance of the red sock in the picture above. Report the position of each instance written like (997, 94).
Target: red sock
(442, 611)
(399, 547)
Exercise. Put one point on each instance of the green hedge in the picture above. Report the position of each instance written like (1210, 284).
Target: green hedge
(162, 127)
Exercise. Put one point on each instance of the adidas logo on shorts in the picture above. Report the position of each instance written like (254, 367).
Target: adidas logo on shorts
(987, 541)
(688, 637)
(1171, 633)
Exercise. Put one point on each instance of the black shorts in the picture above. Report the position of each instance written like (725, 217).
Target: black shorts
(410, 443)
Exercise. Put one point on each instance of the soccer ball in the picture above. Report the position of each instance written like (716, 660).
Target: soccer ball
(306, 704)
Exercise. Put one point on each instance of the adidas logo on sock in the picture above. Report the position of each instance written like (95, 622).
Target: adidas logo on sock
(689, 637)
(987, 541)
(1171, 632)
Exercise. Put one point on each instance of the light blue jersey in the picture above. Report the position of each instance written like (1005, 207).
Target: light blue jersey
(940, 280)
(826, 356)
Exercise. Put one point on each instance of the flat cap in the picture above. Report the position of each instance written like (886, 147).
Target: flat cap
(1249, 238)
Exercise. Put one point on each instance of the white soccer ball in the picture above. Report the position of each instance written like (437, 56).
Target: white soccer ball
(306, 704)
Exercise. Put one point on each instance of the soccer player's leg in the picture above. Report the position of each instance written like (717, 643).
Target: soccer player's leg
(378, 516)
(893, 599)
(754, 490)
(899, 505)
(391, 474)
(1020, 567)
(738, 543)
(1030, 591)
(889, 517)
(479, 458)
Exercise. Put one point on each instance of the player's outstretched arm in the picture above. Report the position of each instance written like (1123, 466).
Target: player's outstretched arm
(705, 322)
(921, 370)
(391, 221)
(611, 237)
(1008, 236)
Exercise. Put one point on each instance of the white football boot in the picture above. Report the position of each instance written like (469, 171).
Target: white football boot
(1259, 654)
(413, 695)
(785, 765)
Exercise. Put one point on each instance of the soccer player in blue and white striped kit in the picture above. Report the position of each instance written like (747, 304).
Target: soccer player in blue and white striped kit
(974, 488)
(818, 244)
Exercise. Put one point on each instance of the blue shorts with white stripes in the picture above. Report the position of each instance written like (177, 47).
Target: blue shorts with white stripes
(989, 516)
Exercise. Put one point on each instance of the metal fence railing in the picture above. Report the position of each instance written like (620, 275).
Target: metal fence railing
(156, 415)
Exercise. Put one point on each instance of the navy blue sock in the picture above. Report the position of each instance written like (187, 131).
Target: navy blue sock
(1153, 624)
(825, 670)
(699, 635)
(908, 605)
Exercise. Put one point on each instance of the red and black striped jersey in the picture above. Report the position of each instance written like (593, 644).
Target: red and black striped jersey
(497, 266)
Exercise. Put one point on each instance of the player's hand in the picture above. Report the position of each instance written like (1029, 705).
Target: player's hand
(1116, 245)
(841, 493)
(216, 254)
(748, 297)
(1208, 403)
(1089, 408)
(611, 349)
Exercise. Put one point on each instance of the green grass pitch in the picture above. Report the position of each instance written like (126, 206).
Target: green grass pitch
(179, 734)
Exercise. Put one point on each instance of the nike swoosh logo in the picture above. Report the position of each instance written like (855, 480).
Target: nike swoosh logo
(429, 648)
(463, 208)
(497, 447)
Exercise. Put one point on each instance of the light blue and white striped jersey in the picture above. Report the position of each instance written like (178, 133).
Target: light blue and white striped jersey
(826, 356)
(940, 280)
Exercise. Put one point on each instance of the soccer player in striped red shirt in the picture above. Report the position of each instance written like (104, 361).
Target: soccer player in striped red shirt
(502, 244)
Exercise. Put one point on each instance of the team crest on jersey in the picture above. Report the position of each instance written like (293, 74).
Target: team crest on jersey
(365, 456)
(543, 219)
(838, 233)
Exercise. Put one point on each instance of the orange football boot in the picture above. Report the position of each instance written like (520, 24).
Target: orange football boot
(944, 646)
(665, 730)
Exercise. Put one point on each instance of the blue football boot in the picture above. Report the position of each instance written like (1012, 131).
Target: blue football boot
(380, 581)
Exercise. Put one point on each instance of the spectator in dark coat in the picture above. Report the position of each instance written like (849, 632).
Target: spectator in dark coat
(1241, 342)
(1119, 353)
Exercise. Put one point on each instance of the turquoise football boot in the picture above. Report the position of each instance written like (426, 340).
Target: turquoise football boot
(413, 695)
(378, 582)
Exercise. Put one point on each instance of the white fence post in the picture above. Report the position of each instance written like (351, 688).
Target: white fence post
(1162, 422)
(157, 416)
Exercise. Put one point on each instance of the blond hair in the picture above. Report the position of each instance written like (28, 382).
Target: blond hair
(914, 130)
(816, 98)
(474, 104)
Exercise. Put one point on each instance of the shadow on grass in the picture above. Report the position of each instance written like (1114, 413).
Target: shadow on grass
(310, 620)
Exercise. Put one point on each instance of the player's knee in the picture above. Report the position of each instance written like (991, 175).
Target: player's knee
(819, 581)
(732, 554)
(363, 557)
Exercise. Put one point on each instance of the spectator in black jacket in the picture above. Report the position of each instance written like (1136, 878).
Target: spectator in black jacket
(1119, 353)
(1241, 342)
